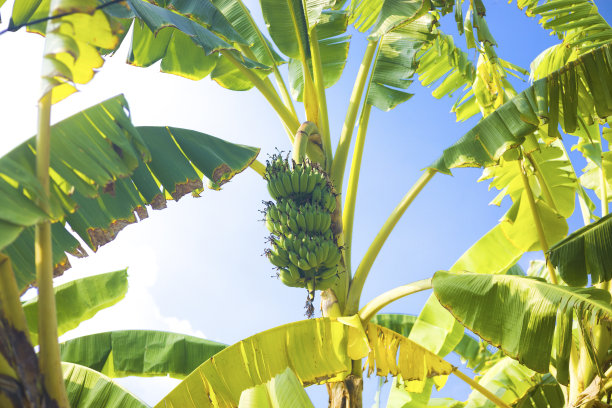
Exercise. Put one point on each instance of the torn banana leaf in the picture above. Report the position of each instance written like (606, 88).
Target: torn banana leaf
(556, 99)
(519, 314)
(104, 173)
(587, 251)
(316, 350)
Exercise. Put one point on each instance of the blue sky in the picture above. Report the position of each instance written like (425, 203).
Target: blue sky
(197, 268)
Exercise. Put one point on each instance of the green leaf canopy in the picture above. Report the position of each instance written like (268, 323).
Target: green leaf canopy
(518, 314)
(145, 353)
(79, 300)
(284, 390)
(109, 170)
(582, 88)
(587, 251)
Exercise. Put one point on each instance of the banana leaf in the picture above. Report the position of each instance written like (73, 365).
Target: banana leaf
(400, 398)
(189, 32)
(557, 178)
(288, 24)
(517, 386)
(109, 170)
(316, 350)
(284, 390)
(79, 300)
(577, 22)
(471, 351)
(87, 388)
(586, 251)
(518, 314)
(144, 353)
(395, 63)
(575, 90)
(333, 50)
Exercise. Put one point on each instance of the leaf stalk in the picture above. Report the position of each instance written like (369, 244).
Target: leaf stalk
(339, 163)
(351, 192)
(368, 260)
(289, 119)
(488, 394)
(375, 305)
(50, 363)
(537, 220)
(319, 84)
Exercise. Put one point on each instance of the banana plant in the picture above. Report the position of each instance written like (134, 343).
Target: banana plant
(554, 331)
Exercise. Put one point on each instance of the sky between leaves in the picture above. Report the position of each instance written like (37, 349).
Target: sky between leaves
(197, 268)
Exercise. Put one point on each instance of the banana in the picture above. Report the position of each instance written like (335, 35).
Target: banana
(332, 259)
(292, 224)
(304, 179)
(303, 264)
(276, 260)
(272, 190)
(294, 272)
(288, 280)
(322, 252)
(327, 273)
(295, 181)
(302, 251)
(278, 186)
(326, 222)
(318, 221)
(309, 215)
(312, 259)
(326, 283)
(286, 180)
(312, 183)
(293, 257)
(301, 221)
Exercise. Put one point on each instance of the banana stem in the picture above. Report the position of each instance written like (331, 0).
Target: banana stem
(348, 217)
(366, 263)
(300, 141)
(317, 70)
(538, 173)
(9, 297)
(50, 363)
(604, 191)
(536, 220)
(375, 305)
(289, 119)
(259, 168)
(339, 163)
(488, 394)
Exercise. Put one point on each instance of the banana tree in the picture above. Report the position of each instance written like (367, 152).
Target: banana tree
(555, 333)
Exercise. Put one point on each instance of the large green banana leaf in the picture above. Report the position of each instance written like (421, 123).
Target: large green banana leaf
(316, 350)
(288, 24)
(587, 251)
(395, 63)
(400, 398)
(283, 391)
(583, 88)
(109, 170)
(518, 314)
(333, 50)
(557, 178)
(79, 300)
(383, 16)
(87, 388)
(578, 22)
(518, 386)
(144, 353)
(190, 32)
(471, 351)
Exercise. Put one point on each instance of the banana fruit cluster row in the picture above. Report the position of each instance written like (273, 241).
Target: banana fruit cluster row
(303, 246)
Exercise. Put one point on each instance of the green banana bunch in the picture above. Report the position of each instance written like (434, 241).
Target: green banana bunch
(303, 246)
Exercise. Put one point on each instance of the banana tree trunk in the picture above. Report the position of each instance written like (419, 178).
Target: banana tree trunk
(346, 394)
